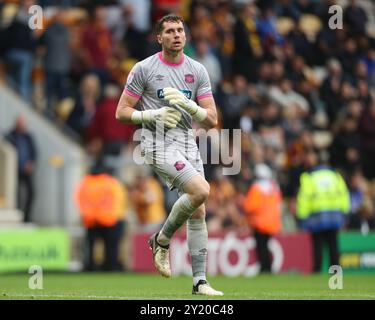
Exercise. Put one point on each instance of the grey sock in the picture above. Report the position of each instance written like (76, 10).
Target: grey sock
(197, 238)
(181, 211)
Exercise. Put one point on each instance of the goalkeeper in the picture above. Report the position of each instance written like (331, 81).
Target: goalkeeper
(164, 87)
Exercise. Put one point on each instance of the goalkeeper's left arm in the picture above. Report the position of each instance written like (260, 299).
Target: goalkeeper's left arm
(204, 113)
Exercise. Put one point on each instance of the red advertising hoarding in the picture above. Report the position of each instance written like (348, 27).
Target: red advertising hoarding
(230, 254)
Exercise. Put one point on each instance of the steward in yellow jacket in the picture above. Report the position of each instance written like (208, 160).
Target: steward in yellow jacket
(322, 202)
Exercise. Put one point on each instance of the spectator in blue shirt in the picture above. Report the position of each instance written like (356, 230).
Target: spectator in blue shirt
(26, 152)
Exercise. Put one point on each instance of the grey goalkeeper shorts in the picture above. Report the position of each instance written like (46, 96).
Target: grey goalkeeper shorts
(175, 166)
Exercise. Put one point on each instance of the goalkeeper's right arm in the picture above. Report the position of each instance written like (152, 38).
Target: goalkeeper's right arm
(126, 113)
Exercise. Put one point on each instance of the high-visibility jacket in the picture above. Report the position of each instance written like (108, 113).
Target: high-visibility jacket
(322, 200)
(154, 211)
(262, 206)
(101, 200)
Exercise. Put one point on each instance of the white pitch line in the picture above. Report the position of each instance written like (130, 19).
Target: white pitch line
(338, 295)
(19, 295)
(332, 295)
(62, 296)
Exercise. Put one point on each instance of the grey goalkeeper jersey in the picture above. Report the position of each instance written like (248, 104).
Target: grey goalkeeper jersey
(146, 81)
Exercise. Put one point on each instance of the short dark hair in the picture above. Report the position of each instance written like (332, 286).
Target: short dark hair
(168, 18)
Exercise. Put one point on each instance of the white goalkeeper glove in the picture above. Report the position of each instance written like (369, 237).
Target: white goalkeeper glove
(168, 116)
(176, 97)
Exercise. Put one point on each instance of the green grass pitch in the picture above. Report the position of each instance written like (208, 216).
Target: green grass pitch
(134, 286)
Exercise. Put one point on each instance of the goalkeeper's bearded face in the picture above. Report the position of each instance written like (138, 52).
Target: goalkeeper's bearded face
(172, 37)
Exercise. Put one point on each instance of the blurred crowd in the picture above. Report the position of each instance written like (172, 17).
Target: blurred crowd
(278, 72)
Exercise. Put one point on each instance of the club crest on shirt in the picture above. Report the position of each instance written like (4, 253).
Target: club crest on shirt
(179, 165)
(189, 78)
